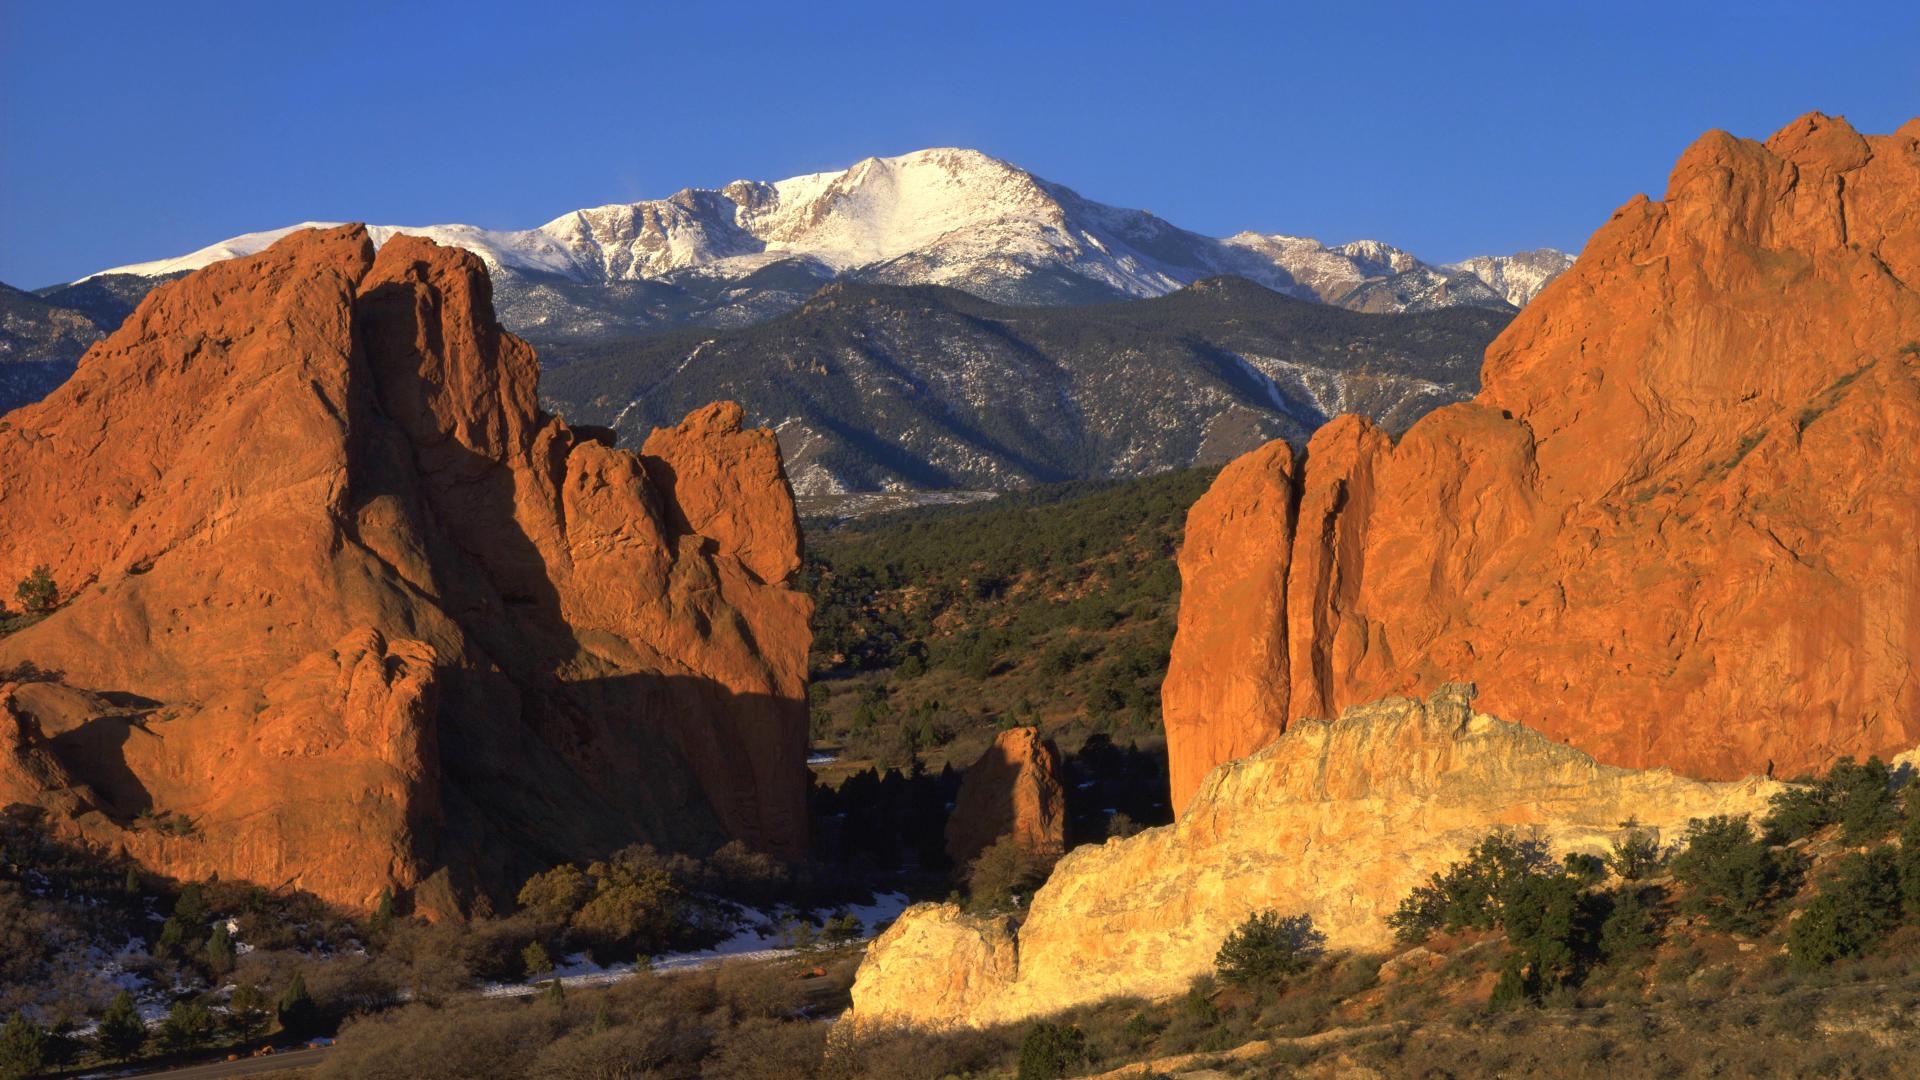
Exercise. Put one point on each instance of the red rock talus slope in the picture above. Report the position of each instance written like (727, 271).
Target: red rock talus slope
(337, 592)
(1680, 525)
(1012, 790)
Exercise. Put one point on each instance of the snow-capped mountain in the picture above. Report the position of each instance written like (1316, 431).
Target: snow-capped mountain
(952, 217)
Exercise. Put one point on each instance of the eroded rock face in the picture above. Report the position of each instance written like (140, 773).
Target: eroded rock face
(1335, 820)
(1677, 526)
(1012, 790)
(335, 590)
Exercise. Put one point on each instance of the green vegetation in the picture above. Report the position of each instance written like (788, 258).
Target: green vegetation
(1052, 607)
(1470, 893)
(1858, 907)
(1635, 855)
(121, 1034)
(1858, 797)
(24, 1048)
(1733, 878)
(1269, 948)
(37, 593)
(1050, 1051)
(1004, 874)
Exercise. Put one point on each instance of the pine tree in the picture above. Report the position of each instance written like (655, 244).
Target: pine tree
(382, 914)
(298, 1015)
(121, 1034)
(220, 950)
(23, 1048)
(248, 1007)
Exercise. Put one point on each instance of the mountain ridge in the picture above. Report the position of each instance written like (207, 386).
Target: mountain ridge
(945, 215)
(885, 387)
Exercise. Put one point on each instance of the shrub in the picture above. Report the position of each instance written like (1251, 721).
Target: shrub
(1858, 906)
(1858, 797)
(37, 593)
(1635, 853)
(1001, 872)
(1628, 929)
(534, 960)
(188, 1024)
(1468, 893)
(120, 1034)
(1910, 853)
(248, 1009)
(1267, 948)
(1510, 992)
(1542, 918)
(1048, 1051)
(1732, 877)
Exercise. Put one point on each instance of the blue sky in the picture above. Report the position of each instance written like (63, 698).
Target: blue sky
(136, 131)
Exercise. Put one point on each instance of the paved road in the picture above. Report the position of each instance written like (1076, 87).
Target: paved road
(247, 1066)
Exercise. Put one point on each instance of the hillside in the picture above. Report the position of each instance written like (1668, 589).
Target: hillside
(873, 387)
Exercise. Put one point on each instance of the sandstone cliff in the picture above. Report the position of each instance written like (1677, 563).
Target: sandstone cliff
(1338, 820)
(1012, 790)
(1676, 527)
(338, 594)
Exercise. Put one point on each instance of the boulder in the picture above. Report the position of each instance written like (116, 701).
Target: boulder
(1012, 790)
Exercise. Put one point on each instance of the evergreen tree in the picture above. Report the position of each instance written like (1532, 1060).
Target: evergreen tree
(1910, 854)
(248, 1007)
(23, 1048)
(382, 914)
(298, 1015)
(188, 1024)
(1858, 906)
(220, 950)
(121, 1034)
(1732, 877)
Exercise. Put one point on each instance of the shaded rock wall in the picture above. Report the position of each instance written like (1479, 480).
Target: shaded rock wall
(1013, 789)
(336, 590)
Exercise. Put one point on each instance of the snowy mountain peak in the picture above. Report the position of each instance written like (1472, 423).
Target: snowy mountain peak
(943, 215)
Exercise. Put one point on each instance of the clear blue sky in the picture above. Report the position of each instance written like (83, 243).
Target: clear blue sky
(136, 131)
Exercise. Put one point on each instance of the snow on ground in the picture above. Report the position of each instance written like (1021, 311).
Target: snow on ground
(760, 937)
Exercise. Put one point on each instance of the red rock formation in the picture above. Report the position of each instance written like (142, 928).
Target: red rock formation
(341, 595)
(1676, 527)
(1013, 790)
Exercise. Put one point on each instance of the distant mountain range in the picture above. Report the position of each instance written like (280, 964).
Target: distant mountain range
(950, 320)
(752, 249)
(878, 387)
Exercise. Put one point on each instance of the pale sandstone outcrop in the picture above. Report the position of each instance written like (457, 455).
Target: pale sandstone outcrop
(335, 590)
(1676, 527)
(1335, 820)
